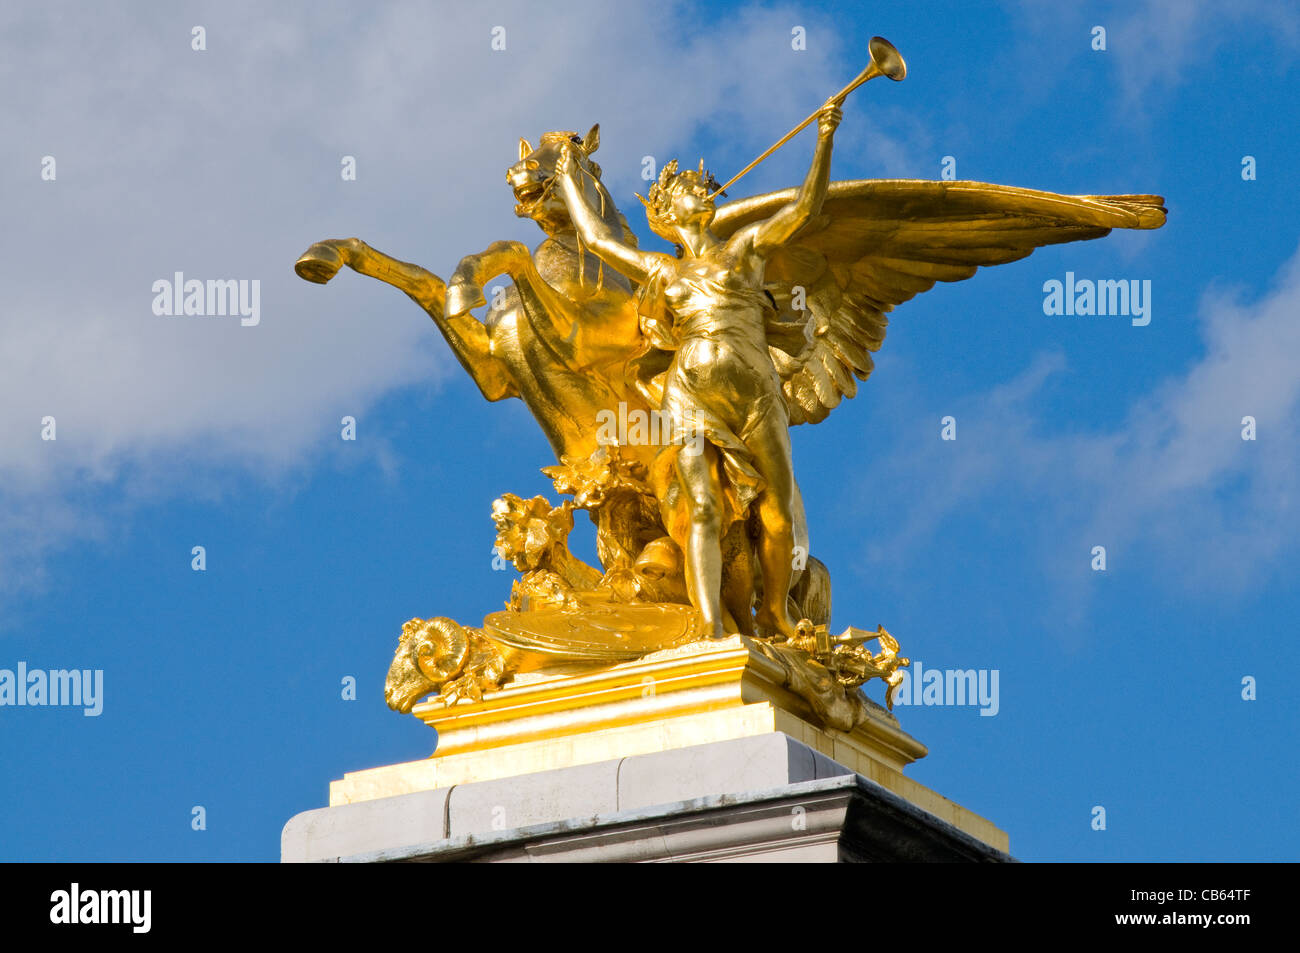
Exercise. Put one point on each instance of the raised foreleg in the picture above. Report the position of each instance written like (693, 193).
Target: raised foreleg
(551, 313)
(466, 337)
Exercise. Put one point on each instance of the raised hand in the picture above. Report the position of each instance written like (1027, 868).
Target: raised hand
(566, 165)
(828, 118)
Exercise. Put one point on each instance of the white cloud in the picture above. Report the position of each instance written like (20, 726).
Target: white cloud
(1158, 45)
(225, 164)
(1175, 486)
(1175, 40)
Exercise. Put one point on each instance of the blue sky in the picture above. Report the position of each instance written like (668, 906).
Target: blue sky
(1120, 689)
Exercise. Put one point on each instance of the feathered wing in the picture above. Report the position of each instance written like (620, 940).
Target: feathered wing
(879, 242)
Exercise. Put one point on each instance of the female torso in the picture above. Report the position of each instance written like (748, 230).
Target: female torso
(718, 313)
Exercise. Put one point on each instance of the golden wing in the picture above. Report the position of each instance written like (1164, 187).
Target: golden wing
(879, 242)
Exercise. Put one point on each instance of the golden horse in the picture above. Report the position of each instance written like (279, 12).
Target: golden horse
(562, 338)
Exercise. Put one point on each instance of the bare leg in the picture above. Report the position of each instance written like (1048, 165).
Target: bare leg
(698, 473)
(770, 446)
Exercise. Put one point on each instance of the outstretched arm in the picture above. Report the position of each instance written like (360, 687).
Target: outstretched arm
(774, 232)
(595, 233)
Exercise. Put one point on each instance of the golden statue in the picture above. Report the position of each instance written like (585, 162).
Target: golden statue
(709, 308)
(666, 386)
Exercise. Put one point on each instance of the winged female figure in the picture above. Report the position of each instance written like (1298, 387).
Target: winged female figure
(768, 317)
(710, 310)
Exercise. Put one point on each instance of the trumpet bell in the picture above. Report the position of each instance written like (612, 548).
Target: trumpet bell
(887, 60)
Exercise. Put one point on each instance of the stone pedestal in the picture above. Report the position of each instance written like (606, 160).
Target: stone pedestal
(697, 753)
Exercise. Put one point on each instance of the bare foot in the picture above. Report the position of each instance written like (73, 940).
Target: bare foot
(778, 628)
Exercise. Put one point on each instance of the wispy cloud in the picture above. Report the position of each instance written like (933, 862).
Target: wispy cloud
(225, 164)
(1175, 486)
(1159, 45)
(1177, 38)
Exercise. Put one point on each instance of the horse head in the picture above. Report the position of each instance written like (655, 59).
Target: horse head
(532, 179)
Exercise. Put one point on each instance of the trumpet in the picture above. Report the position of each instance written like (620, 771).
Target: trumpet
(885, 61)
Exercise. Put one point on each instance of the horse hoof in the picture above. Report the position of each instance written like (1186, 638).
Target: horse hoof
(463, 296)
(319, 263)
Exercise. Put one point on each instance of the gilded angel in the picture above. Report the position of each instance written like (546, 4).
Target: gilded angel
(768, 316)
(709, 309)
